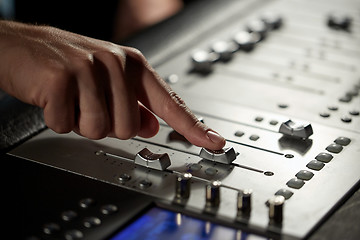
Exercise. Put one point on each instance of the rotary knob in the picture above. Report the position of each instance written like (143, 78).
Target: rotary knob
(258, 26)
(225, 155)
(276, 205)
(213, 194)
(272, 20)
(152, 160)
(245, 40)
(203, 61)
(224, 49)
(183, 183)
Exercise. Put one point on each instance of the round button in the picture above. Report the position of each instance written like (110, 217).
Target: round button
(124, 177)
(346, 119)
(73, 234)
(90, 222)
(195, 167)
(145, 183)
(86, 202)
(354, 112)
(108, 209)
(69, 215)
(51, 228)
(211, 171)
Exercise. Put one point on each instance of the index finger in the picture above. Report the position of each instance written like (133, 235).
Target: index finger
(157, 96)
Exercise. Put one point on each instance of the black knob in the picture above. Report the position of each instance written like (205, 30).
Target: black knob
(339, 21)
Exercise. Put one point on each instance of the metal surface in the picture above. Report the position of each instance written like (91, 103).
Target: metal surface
(304, 71)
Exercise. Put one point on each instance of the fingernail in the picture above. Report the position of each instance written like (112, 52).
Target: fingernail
(215, 137)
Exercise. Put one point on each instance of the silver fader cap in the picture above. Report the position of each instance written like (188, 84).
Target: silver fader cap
(152, 160)
(225, 155)
(244, 202)
(293, 129)
(213, 194)
(276, 205)
(183, 183)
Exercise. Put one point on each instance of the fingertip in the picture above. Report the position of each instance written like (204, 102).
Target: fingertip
(217, 140)
(203, 136)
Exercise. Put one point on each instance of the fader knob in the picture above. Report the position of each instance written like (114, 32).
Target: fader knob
(246, 40)
(297, 130)
(213, 194)
(183, 184)
(152, 160)
(276, 205)
(225, 155)
(244, 202)
(203, 60)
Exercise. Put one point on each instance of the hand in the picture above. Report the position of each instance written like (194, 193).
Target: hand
(92, 87)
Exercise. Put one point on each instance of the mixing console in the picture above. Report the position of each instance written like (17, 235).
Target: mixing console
(280, 81)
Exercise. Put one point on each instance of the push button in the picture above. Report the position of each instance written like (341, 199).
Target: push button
(315, 165)
(324, 157)
(285, 193)
(334, 148)
(304, 175)
(152, 160)
(295, 183)
(343, 141)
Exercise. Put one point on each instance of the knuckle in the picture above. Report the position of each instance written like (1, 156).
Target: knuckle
(94, 133)
(173, 103)
(126, 133)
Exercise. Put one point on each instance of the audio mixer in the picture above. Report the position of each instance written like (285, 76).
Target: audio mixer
(280, 81)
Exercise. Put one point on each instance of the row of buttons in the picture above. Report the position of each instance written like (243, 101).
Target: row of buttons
(252, 137)
(317, 164)
(347, 98)
(68, 216)
(245, 40)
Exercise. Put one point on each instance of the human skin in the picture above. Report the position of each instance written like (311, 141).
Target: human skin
(92, 87)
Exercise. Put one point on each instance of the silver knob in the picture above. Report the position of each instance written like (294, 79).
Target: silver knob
(244, 202)
(183, 183)
(213, 194)
(224, 49)
(245, 40)
(276, 205)
(203, 61)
